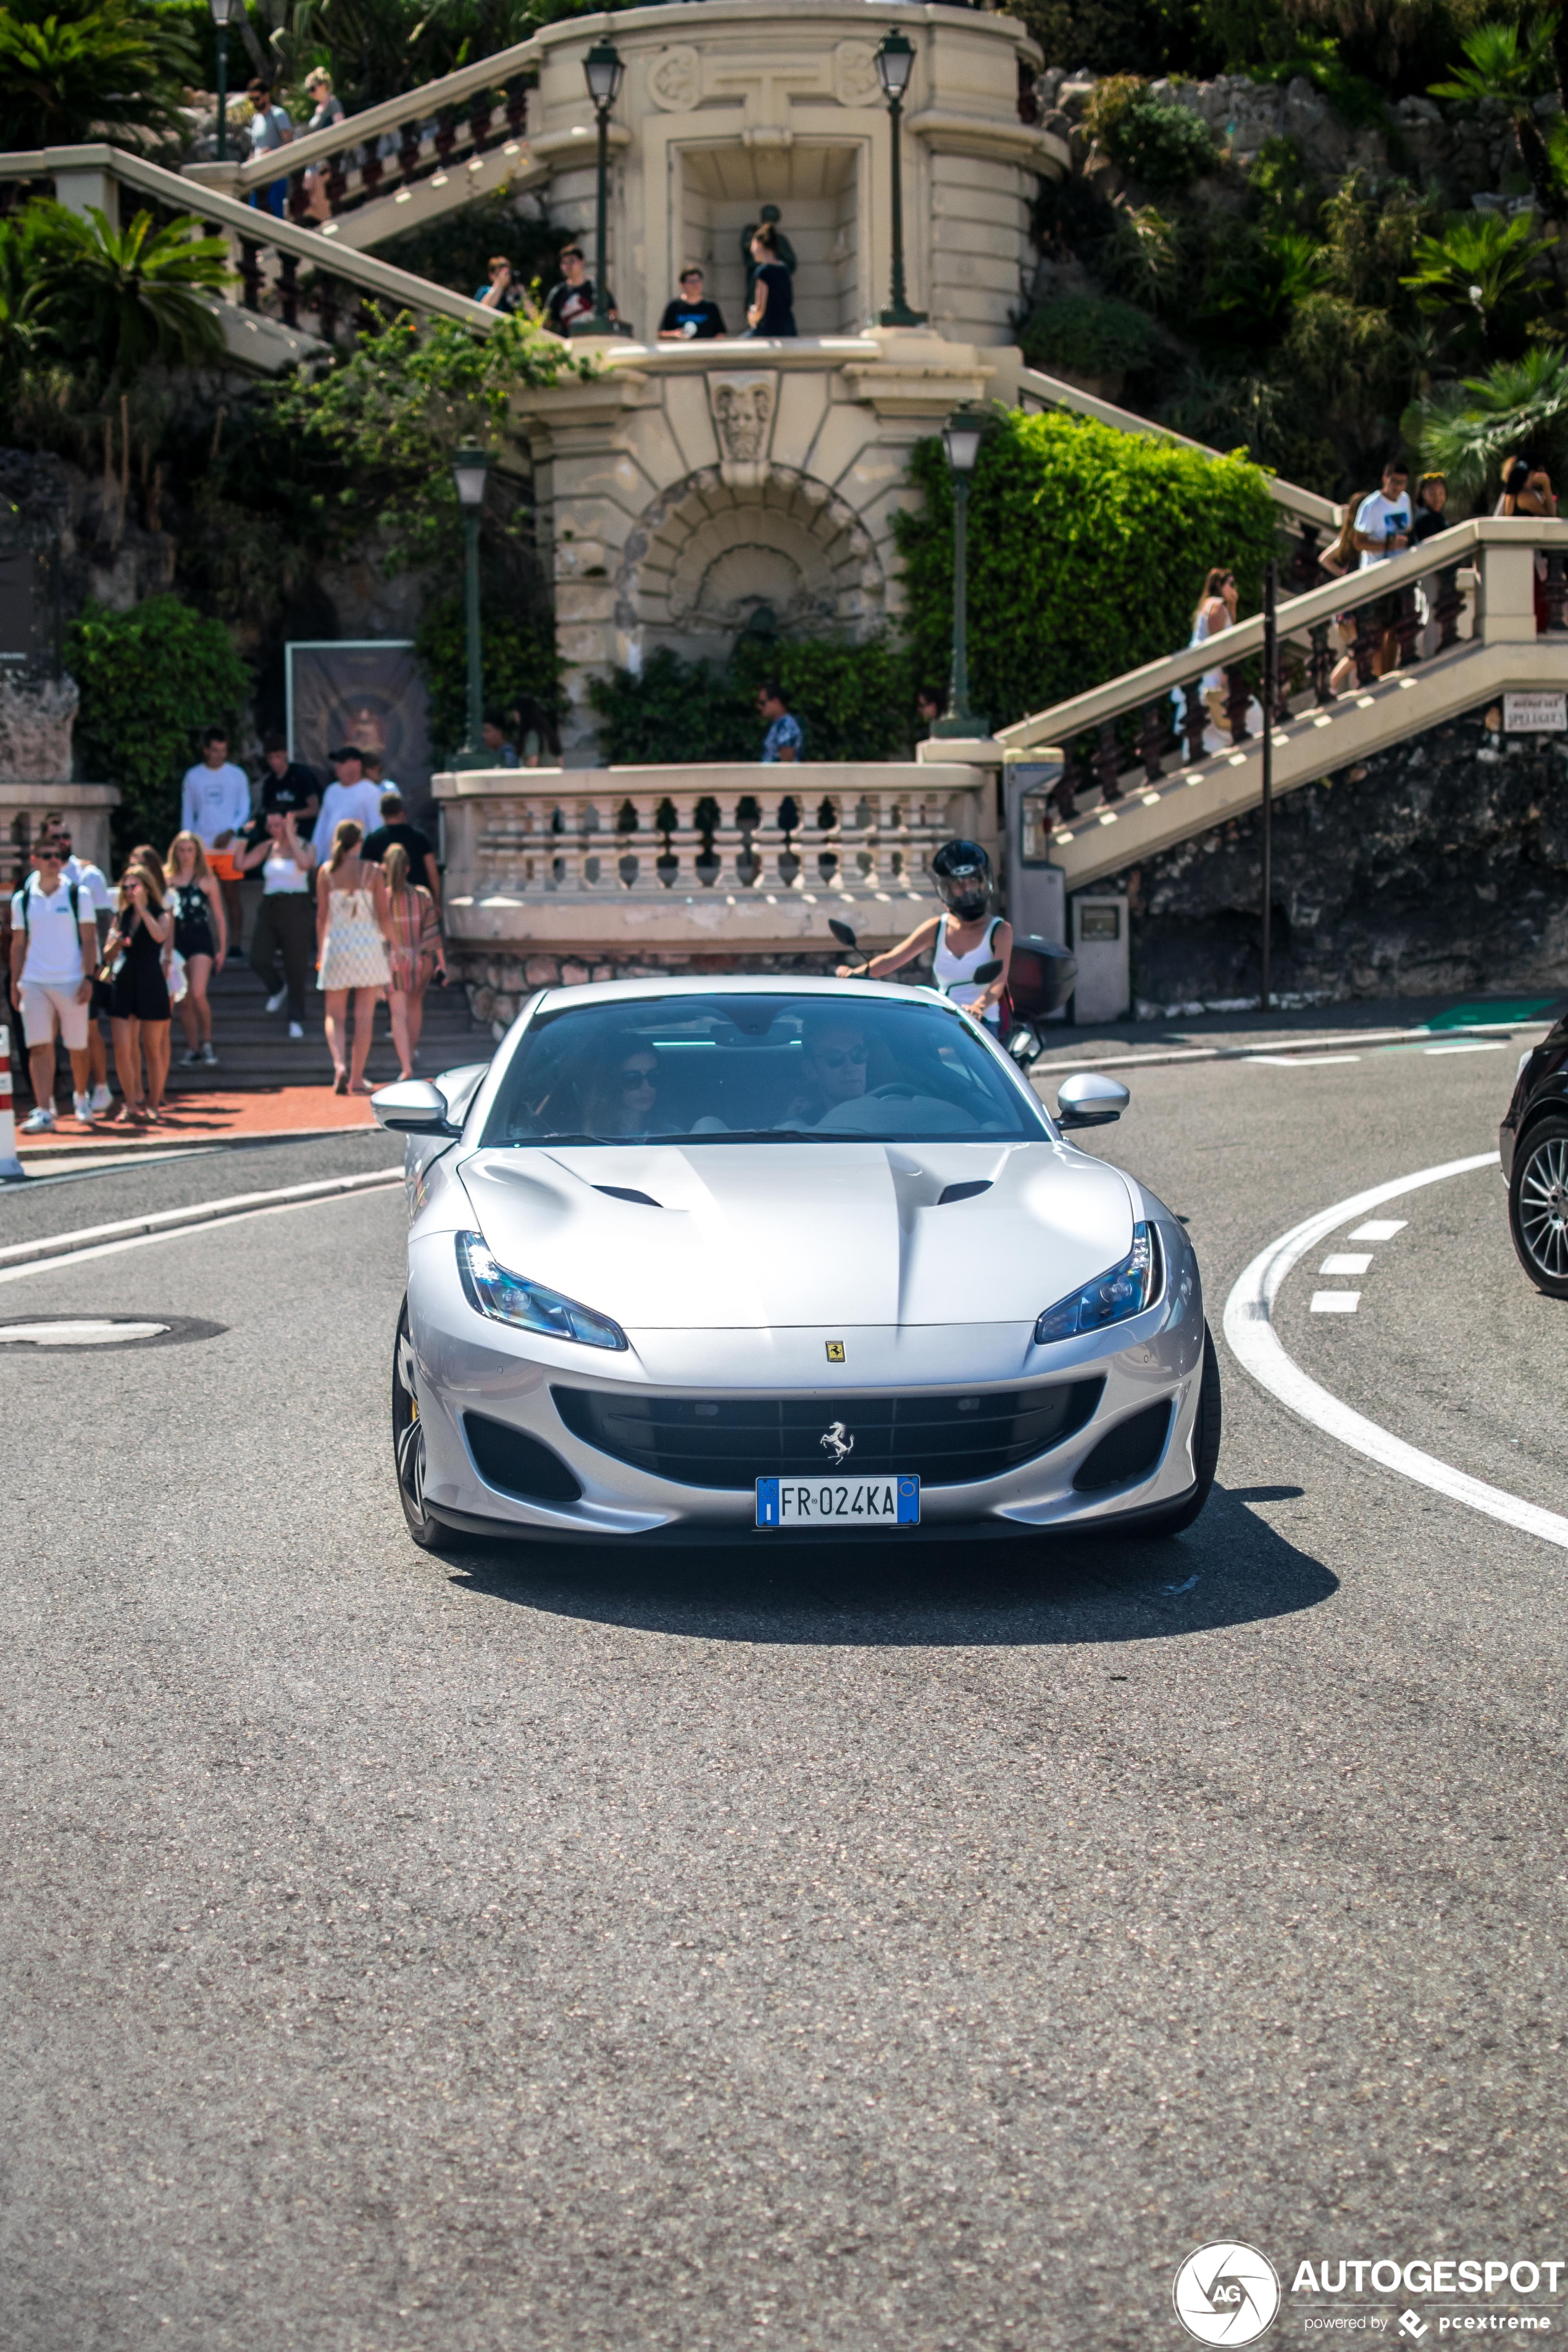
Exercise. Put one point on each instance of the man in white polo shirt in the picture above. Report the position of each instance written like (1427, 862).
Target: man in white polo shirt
(54, 954)
(214, 803)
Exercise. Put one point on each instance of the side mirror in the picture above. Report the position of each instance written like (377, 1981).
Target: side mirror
(1090, 1100)
(842, 933)
(1025, 1044)
(985, 973)
(412, 1107)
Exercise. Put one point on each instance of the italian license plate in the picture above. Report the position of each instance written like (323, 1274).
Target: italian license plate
(843, 1503)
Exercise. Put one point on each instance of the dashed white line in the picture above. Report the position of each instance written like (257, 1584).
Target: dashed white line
(1490, 1047)
(1379, 1229)
(1335, 1302)
(1346, 1262)
(1253, 1340)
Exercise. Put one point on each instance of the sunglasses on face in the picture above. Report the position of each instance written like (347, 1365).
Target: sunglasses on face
(48, 856)
(837, 1056)
(632, 1081)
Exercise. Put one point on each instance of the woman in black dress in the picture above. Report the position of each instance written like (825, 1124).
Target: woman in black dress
(201, 937)
(771, 312)
(138, 992)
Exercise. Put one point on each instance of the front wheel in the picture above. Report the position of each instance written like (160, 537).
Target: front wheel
(1205, 1454)
(408, 1442)
(1538, 1206)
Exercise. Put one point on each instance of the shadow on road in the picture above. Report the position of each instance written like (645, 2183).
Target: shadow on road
(1231, 1569)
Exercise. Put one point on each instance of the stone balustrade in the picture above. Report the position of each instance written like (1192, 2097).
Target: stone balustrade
(622, 869)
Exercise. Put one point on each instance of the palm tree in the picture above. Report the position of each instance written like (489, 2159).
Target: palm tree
(1466, 430)
(75, 69)
(1515, 75)
(114, 299)
(1480, 265)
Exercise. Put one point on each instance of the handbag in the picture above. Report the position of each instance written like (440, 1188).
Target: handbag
(176, 976)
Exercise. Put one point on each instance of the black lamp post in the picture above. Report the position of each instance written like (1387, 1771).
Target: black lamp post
(963, 433)
(895, 63)
(220, 11)
(604, 70)
(470, 468)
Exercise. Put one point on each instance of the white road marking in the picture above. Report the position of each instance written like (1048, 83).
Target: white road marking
(75, 1335)
(1490, 1048)
(1253, 1340)
(1335, 1302)
(1296, 1061)
(1346, 1262)
(196, 1212)
(1380, 1229)
(197, 1223)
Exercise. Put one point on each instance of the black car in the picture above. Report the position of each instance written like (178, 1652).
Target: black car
(1533, 1144)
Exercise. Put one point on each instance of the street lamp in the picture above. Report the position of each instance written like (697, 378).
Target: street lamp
(962, 434)
(470, 468)
(895, 63)
(602, 68)
(221, 10)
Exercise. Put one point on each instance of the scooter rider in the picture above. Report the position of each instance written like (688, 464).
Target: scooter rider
(959, 941)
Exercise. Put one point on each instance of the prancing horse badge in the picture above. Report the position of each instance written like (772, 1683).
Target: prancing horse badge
(836, 1351)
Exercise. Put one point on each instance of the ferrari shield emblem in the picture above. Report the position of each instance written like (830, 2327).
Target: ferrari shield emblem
(836, 1351)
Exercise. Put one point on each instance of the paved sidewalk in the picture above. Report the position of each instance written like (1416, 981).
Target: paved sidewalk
(206, 1118)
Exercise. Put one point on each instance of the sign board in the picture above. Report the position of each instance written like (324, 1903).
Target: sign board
(1535, 714)
(366, 691)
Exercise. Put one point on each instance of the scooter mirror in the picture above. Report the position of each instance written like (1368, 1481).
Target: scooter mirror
(842, 932)
(985, 973)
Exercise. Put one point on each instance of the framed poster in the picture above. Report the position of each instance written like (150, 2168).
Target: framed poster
(363, 690)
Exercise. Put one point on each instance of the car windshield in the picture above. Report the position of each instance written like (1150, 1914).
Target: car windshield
(779, 1068)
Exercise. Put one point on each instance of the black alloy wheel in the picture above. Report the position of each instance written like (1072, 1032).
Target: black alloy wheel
(1205, 1454)
(1538, 1206)
(408, 1442)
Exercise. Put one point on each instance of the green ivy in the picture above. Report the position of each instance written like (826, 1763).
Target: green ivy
(854, 702)
(517, 660)
(1086, 552)
(151, 681)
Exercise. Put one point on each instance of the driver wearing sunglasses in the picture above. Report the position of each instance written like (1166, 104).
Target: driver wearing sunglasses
(833, 1068)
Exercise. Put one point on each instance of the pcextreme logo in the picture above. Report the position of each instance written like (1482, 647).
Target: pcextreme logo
(1226, 2293)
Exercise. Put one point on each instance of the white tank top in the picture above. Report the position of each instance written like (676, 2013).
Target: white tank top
(954, 973)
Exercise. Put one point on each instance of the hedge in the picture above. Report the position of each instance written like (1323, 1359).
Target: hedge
(150, 681)
(1088, 548)
(855, 702)
(515, 660)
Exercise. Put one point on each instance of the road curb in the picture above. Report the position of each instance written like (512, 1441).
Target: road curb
(199, 1213)
(1274, 1045)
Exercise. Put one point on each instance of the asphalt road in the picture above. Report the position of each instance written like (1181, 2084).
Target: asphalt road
(793, 1951)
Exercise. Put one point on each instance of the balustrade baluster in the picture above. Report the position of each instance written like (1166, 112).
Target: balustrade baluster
(1446, 612)
(1108, 760)
(1368, 640)
(327, 308)
(336, 185)
(1406, 626)
(288, 289)
(479, 121)
(685, 844)
(516, 108)
(250, 272)
(299, 205)
(1556, 589)
(371, 166)
(1321, 665)
(445, 135)
(1153, 737)
(727, 842)
(1238, 695)
(1073, 780)
(1195, 720)
(1304, 557)
(408, 153)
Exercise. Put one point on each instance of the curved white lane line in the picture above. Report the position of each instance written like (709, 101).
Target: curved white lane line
(1250, 1334)
(64, 1260)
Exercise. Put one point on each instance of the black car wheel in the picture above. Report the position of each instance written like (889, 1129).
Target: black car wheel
(1538, 1206)
(408, 1442)
(1205, 1454)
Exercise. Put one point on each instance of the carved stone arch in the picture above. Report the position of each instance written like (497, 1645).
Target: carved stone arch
(706, 553)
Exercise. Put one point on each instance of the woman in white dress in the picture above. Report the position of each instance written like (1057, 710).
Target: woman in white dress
(1215, 610)
(353, 933)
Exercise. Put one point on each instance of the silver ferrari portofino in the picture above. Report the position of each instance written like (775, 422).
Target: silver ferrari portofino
(759, 1259)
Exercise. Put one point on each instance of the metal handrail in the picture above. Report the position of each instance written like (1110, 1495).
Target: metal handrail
(1232, 645)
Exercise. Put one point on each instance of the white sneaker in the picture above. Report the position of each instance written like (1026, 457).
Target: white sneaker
(209, 1059)
(192, 1060)
(278, 1000)
(38, 1123)
(295, 1030)
(101, 1098)
(82, 1106)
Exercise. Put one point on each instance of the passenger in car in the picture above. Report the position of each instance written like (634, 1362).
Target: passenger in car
(624, 1098)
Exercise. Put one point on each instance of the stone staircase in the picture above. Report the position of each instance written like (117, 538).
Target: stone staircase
(255, 1050)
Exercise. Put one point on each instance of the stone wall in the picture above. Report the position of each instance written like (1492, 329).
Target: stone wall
(496, 985)
(1438, 867)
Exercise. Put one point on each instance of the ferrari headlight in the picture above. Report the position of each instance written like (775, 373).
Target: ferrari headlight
(1111, 1297)
(509, 1298)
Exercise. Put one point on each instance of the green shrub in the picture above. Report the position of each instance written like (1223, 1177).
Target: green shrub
(853, 701)
(1164, 146)
(516, 660)
(150, 680)
(1091, 335)
(1087, 551)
